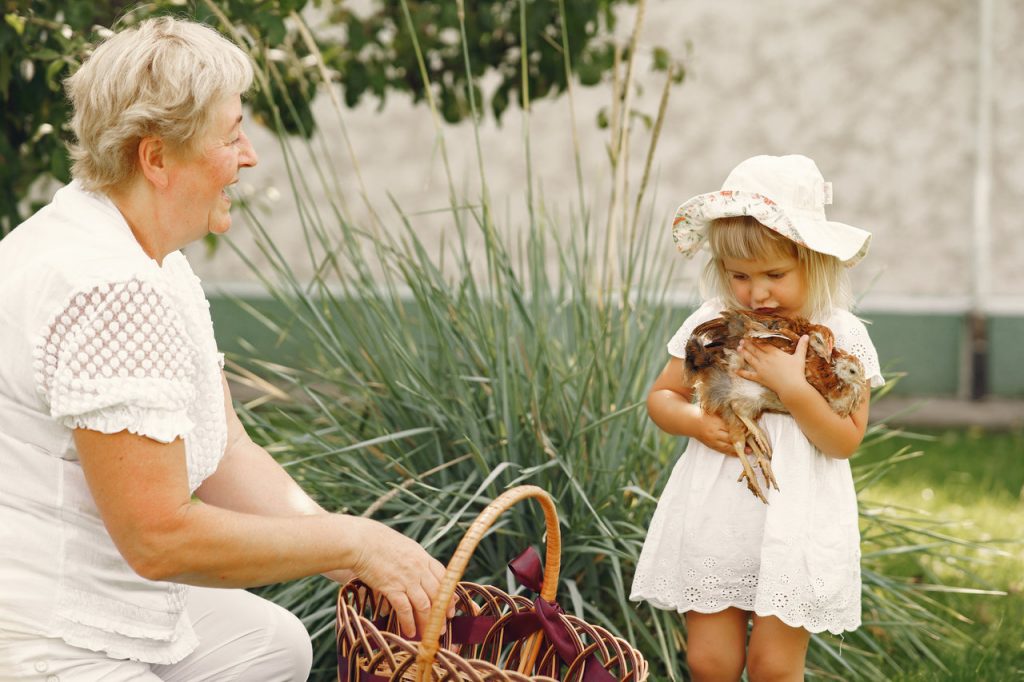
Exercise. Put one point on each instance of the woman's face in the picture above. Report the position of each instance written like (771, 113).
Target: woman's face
(774, 285)
(203, 178)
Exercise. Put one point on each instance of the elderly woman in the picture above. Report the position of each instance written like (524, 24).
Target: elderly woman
(132, 503)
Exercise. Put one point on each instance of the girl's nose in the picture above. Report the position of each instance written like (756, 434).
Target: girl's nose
(759, 293)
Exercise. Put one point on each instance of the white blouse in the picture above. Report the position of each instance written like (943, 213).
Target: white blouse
(96, 335)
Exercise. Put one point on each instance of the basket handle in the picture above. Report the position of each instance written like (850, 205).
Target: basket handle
(552, 563)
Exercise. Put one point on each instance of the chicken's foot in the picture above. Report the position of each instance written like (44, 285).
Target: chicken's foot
(740, 446)
(762, 449)
(764, 463)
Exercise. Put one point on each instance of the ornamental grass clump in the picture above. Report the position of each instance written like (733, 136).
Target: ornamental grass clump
(431, 379)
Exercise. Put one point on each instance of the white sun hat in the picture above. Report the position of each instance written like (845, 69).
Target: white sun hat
(786, 194)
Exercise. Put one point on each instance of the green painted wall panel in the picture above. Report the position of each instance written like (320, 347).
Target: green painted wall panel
(923, 347)
(1006, 356)
(927, 347)
(238, 330)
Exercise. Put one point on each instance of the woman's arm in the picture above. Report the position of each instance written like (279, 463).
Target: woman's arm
(670, 406)
(836, 436)
(248, 479)
(253, 527)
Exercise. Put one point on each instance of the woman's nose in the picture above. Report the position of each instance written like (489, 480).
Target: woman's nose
(248, 157)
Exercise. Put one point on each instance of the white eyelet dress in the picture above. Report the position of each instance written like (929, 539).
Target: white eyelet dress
(96, 335)
(712, 545)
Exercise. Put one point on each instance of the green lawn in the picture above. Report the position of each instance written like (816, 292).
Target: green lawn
(974, 480)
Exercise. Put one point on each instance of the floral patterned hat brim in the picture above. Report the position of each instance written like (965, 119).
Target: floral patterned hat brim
(689, 228)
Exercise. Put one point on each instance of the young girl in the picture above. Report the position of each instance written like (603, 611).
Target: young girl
(714, 551)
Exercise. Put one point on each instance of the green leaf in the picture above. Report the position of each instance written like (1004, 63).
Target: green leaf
(662, 59)
(15, 21)
(499, 101)
(46, 55)
(60, 166)
(212, 243)
(289, 6)
(274, 28)
(52, 71)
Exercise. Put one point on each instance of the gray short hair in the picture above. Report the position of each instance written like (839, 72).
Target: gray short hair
(158, 78)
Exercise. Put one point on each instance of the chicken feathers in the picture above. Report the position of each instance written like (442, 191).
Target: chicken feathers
(712, 361)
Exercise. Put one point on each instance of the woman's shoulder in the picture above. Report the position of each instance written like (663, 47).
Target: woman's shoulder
(83, 237)
(77, 244)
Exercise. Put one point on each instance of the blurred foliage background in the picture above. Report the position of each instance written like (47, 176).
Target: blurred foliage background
(365, 51)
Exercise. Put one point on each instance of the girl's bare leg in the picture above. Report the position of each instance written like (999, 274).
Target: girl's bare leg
(716, 645)
(777, 651)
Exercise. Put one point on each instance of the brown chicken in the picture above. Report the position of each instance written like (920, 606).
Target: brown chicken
(712, 361)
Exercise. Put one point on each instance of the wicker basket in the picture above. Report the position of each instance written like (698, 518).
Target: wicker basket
(495, 636)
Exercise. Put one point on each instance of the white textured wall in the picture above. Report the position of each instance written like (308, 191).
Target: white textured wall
(882, 94)
(1008, 142)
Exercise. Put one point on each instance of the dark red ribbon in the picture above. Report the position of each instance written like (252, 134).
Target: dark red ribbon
(545, 616)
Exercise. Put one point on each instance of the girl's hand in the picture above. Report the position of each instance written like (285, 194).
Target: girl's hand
(773, 367)
(714, 434)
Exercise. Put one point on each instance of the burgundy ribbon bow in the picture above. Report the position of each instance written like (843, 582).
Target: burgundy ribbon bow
(545, 616)
(528, 571)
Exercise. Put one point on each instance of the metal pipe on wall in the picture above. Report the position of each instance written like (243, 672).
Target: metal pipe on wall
(981, 242)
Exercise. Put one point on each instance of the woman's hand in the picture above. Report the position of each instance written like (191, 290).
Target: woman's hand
(773, 367)
(401, 571)
(340, 576)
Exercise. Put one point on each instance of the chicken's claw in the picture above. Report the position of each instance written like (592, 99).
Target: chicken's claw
(764, 462)
(762, 449)
(754, 431)
(740, 447)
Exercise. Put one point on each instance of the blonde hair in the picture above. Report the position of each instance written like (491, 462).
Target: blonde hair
(744, 238)
(159, 78)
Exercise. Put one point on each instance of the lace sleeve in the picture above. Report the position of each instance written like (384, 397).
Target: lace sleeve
(707, 311)
(116, 358)
(852, 336)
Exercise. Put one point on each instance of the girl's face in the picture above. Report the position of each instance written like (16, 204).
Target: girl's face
(774, 285)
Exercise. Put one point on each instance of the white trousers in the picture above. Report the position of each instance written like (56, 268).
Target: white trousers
(241, 637)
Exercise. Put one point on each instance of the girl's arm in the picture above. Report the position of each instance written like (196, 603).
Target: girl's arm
(836, 436)
(670, 406)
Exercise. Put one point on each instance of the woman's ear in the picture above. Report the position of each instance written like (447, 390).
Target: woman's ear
(153, 159)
